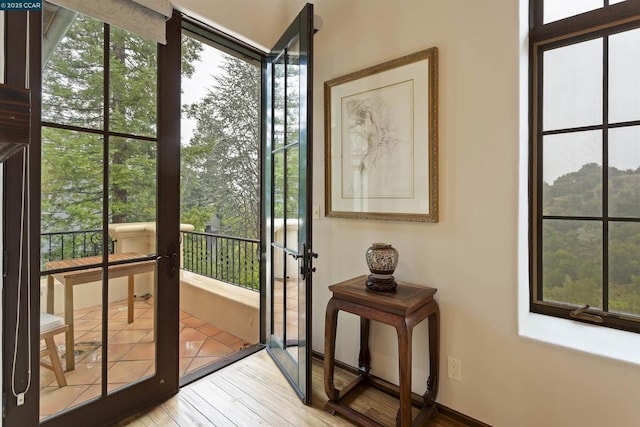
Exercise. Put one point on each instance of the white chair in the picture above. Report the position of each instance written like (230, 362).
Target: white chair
(51, 326)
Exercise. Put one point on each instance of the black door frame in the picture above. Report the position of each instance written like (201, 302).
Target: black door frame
(302, 26)
(15, 70)
(165, 382)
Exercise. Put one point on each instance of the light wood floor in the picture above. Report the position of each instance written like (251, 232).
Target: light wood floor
(253, 392)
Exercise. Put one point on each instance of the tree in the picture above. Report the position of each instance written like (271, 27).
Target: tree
(72, 160)
(221, 168)
(573, 248)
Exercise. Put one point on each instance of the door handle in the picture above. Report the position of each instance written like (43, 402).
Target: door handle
(172, 263)
(307, 262)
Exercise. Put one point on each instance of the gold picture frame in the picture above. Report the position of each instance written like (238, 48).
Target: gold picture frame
(381, 141)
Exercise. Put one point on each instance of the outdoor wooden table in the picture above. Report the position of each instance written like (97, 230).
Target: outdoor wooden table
(77, 277)
(402, 309)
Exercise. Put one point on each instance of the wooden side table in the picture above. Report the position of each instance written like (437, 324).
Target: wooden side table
(402, 309)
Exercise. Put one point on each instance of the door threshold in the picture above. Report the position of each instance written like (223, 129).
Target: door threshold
(226, 361)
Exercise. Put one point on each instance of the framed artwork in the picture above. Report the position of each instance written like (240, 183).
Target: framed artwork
(381, 141)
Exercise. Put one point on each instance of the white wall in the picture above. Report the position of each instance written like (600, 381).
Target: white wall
(471, 256)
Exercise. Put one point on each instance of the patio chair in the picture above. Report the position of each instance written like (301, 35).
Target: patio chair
(50, 326)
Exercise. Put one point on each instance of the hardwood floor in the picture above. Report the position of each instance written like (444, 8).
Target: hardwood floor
(254, 392)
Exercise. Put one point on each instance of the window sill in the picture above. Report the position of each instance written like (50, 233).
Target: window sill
(597, 340)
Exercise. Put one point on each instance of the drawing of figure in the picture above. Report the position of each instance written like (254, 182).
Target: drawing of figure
(369, 122)
(377, 143)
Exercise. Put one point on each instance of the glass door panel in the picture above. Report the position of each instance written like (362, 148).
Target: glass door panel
(287, 195)
(278, 307)
(71, 248)
(102, 162)
(71, 339)
(133, 61)
(131, 350)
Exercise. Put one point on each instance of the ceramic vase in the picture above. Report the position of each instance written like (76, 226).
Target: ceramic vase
(382, 259)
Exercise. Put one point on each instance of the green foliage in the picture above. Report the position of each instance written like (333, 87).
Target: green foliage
(572, 255)
(71, 180)
(73, 88)
(133, 84)
(221, 167)
(73, 79)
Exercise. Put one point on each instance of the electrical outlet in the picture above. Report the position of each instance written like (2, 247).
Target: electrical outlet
(454, 369)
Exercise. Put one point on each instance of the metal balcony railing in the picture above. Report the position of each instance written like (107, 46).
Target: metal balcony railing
(234, 260)
(71, 244)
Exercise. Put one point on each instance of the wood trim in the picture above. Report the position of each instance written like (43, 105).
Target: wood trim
(448, 412)
(460, 417)
(596, 19)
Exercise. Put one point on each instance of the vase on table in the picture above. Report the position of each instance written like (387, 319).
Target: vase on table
(382, 259)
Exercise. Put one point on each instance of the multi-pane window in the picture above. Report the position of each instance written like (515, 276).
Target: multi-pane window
(585, 161)
(99, 109)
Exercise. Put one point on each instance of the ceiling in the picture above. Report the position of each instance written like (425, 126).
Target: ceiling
(257, 22)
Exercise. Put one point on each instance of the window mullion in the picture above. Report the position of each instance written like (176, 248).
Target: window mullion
(539, 90)
(605, 173)
(105, 199)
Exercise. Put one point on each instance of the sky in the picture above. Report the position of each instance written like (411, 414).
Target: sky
(194, 88)
(573, 97)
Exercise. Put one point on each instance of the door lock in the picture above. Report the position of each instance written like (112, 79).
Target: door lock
(307, 262)
(172, 263)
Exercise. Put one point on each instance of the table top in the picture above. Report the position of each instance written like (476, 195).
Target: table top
(79, 262)
(406, 299)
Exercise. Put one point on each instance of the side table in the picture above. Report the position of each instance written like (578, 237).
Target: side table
(402, 309)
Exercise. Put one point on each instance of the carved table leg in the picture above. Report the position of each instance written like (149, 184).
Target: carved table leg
(364, 358)
(434, 355)
(330, 348)
(404, 356)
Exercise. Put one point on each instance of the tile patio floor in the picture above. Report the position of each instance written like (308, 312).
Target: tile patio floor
(131, 352)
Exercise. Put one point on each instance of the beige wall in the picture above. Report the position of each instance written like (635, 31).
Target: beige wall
(471, 255)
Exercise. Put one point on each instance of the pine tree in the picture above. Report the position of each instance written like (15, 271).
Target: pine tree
(73, 94)
(221, 169)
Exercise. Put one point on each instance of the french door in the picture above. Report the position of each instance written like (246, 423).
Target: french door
(287, 202)
(109, 303)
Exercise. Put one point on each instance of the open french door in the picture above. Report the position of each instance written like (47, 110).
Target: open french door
(287, 199)
(95, 380)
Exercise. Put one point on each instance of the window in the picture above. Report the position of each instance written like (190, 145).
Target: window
(98, 96)
(585, 161)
